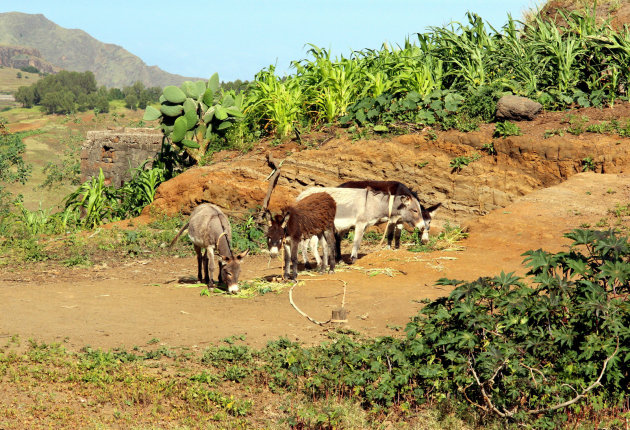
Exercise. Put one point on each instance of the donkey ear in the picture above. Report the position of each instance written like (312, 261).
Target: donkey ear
(266, 216)
(224, 260)
(434, 208)
(242, 254)
(285, 220)
(406, 200)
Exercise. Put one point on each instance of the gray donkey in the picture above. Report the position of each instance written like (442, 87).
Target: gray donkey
(209, 228)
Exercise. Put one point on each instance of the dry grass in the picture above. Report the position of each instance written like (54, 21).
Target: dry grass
(9, 82)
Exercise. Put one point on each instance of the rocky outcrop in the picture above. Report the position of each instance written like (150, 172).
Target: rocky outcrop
(19, 57)
(521, 164)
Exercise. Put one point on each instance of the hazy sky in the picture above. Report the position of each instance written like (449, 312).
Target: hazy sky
(237, 38)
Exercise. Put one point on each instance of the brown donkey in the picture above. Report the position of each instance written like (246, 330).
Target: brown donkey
(209, 228)
(311, 216)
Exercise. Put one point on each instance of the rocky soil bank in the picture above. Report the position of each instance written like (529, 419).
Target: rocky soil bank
(546, 154)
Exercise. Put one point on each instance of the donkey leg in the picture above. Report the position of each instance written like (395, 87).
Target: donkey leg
(303, 248)
(323, 262)
(210, 263)
(359, 229)
(337, 246)
(397, 235)
(294, 260)
(287, 260)
(389, 232)
(206, 278)
(199, 263)
(330, 237)
(314, 243)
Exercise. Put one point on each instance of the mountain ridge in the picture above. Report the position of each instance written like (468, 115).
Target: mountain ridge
(76, 50)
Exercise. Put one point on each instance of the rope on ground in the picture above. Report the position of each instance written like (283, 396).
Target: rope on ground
(313, 320)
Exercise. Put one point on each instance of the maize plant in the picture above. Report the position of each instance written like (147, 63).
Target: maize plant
(276, 103)
(190, 115)
(328, 87)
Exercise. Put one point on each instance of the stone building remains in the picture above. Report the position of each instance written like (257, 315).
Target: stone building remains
(117, 152)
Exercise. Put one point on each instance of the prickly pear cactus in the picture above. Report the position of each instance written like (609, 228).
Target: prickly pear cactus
(191, 113)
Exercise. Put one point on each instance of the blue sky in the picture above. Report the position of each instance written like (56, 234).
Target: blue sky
(237, 38)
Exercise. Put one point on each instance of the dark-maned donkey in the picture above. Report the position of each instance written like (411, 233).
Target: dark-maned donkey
(209, 229)
(394, 227)
(371, 204)
(311, 216)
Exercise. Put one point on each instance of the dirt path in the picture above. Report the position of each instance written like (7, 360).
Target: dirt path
(131, 305)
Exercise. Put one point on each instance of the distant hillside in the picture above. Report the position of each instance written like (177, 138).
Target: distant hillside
(75, 50)
(19, 57)
(11, 79)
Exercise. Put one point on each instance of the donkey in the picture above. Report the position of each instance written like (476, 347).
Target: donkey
(209, 228)
(360, 208)
(311, 216)
(393, 229)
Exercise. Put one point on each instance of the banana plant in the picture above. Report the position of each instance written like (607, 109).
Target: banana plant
(191, 114)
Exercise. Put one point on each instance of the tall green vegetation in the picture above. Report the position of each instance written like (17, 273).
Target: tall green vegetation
(97, 203)
(12, 166)
(449, 77)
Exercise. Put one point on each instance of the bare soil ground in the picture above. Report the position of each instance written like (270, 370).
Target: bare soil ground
(131, 304)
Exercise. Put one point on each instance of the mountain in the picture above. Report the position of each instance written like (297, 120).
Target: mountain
(75, 50)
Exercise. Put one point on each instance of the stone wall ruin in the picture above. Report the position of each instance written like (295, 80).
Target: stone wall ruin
(118, 151)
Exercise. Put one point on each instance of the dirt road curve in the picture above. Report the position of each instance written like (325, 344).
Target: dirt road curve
(132, 304)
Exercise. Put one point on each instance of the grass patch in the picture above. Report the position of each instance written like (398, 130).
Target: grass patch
(447, 240)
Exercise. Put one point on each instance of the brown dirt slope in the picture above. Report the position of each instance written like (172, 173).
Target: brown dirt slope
(521, 165)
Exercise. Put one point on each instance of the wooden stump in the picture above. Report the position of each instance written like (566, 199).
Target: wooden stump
(339, 316)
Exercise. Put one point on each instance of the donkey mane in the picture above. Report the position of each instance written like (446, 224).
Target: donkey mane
(389, 187)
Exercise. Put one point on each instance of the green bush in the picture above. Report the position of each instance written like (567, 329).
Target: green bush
(98, 203)
(506, 128)
(13, 169)
(515, 349)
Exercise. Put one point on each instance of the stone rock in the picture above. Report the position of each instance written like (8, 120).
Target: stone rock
(517, 108)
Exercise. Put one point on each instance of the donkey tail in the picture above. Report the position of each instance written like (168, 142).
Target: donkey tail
(178, 234)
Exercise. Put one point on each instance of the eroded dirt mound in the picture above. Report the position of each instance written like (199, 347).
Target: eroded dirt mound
(135, 302)
(615, 11)
(520, 165)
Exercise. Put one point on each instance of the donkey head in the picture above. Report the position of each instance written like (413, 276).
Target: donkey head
(276, 232)
(427, 215)
(229, 271)
(413, 213)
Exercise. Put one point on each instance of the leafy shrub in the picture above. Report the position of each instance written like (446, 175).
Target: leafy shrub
(462, 161)
(436, 107)
(97, 202)
(588, 164)
(506, 128)
(482, 102)
(247, 235)
(507, 347)
(12, 166)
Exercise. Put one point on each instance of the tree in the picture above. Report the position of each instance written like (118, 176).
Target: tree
(131, 101)
(101, 103)
(59, 102)
(115, 94)
(12, 166)
(26, 96)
